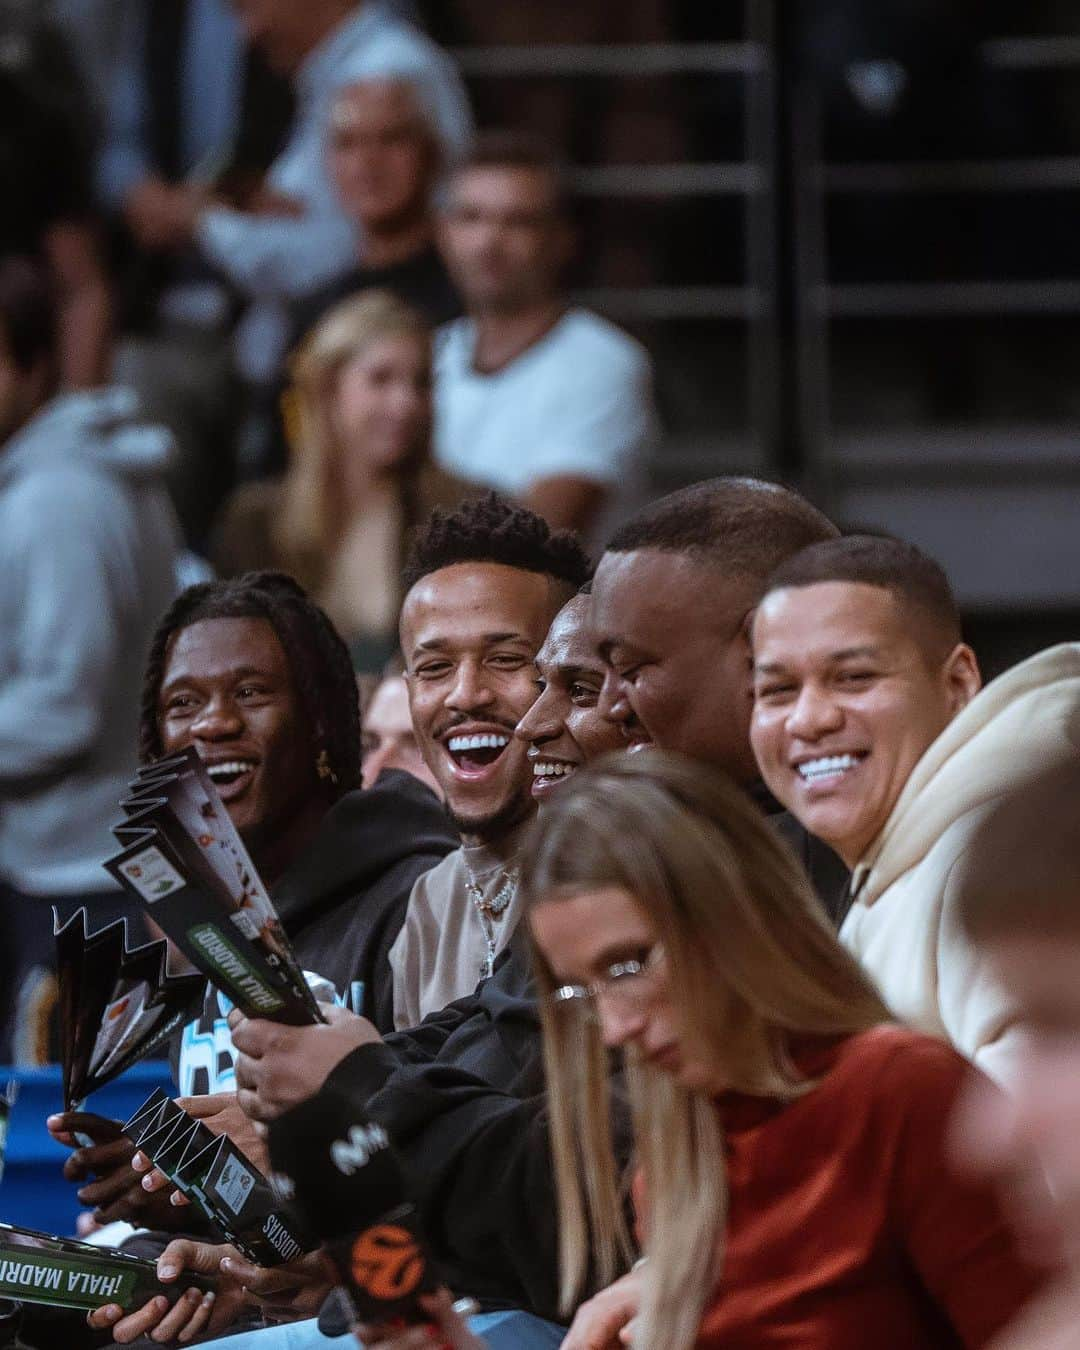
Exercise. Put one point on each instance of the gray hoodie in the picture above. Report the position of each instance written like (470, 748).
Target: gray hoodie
(88, 548)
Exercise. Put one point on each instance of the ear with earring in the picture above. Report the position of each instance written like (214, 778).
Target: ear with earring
(323, 767)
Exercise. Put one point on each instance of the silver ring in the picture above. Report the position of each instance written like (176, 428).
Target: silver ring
(466, 1307)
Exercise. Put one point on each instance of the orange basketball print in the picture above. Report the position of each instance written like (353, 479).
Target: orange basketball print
(387, 1262)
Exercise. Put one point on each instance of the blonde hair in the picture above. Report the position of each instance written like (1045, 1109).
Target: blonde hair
(310, 523)
(752, 963)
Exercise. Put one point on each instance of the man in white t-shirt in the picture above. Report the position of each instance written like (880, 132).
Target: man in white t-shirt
(546, 402)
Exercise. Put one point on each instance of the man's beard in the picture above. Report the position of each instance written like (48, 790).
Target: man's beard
(486, 828)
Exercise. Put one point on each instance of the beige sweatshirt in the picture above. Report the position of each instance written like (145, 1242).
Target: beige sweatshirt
(441, 953)
(903, 926)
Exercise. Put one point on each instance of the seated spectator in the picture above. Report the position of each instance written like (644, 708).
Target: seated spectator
(254, 676)
(1017, 902)
(870, 728)
(46, 150)
(565, 728)
(542, 400)
(673, 596)
(88, 550)
(387, 738)
(794, 1185)
(386, 160)
(484, 585)
(297, 236)
(361, 478)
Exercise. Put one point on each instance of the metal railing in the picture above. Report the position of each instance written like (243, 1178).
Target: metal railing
(753, 179)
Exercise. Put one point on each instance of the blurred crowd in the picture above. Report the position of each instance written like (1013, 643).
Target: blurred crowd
(266, 299)
(210, 191)
(703, 932)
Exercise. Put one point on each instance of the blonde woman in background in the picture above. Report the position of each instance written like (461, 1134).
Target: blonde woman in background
(360, 475)
(794, 1186)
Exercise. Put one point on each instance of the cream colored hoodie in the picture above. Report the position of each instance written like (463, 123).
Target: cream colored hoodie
(903, 926)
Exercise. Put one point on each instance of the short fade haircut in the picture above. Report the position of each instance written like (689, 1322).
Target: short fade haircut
(1021, 872)
(521, 150)
(490, 529)
(742, 527)
(318, 661)
(914, 579)
(28, 315)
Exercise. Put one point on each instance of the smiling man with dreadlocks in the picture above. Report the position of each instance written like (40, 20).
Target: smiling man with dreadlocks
(254, 675)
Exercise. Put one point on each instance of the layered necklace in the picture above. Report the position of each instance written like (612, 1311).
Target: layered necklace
(489, 911)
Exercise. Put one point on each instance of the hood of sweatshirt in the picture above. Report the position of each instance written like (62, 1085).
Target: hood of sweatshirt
(1019, 725)
(360, 838)
(97, 429)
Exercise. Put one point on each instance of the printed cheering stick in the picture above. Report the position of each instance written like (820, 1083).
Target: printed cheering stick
(218, 1180)
(87, 966)
(184, 860)
(116, 1004)
(62, 1273)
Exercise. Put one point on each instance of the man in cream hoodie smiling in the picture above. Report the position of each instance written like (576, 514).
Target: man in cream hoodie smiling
(870, 727)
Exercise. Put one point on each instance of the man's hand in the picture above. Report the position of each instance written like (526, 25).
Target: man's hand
(267, 202)
(220, 1112)
(116, 1192)
(296, 1289)
(161, 215)
(157, 1184)
(601, 1323)
(278, 1067)
(193, 1313)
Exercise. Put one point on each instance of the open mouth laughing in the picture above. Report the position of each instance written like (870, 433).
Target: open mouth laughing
(548, 774)
(474, 754)
(231, 777)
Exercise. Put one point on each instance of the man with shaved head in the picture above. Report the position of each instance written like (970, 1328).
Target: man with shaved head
(564, 728)
(673, 600)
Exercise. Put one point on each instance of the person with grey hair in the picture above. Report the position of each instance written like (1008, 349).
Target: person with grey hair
(386, 159)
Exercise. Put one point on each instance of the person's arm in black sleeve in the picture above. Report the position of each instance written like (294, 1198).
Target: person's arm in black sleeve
(367, 1069)
(426, 1042)
(480, 1171)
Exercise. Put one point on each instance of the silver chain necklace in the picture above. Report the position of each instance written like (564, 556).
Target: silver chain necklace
(487, 911)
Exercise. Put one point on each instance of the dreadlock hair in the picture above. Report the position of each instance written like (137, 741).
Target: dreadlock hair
(318, 659)
(490, 529)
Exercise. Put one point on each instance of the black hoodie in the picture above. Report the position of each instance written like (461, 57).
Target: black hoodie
(342, 903)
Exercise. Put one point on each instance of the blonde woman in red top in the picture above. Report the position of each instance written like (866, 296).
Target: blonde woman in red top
(795, 1189)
